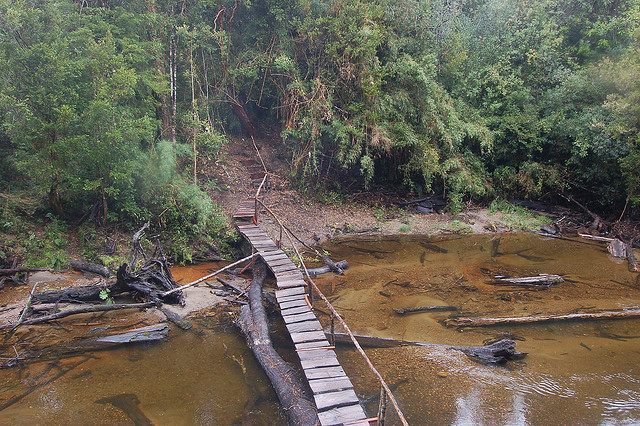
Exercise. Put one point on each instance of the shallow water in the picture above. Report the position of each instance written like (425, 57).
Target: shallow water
(575, 373)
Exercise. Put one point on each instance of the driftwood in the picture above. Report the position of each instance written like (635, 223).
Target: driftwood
(94, 268)
(586, 316)
(147, 334)
(404, 311)
(541, 280)
(83, 310)
(333, 266)
(342, 265)
(253, 323)
(496, 352)
(617, 248)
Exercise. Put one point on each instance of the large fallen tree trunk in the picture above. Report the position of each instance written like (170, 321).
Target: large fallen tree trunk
(343, 264)
(253, 323)
(497, 352)
(586, 316)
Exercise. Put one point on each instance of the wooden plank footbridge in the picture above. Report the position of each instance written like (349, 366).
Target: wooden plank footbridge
(333, 392)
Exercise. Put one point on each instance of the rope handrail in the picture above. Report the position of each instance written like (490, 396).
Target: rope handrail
(337, 316)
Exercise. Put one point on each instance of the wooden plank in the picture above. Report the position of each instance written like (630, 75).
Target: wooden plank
(340, 415)
(308, 336)
(290, 298)
(289, 284)
(297, 327)
(289, 292)
(284, 268)
(324, 372)
(288, 276)
(293, 304)
(312, 345)
(279, 252)
(280, 262)
(320, 362)
(330, 385)
(290, 319)
(336, 399)
(296, 310)
(308, 354)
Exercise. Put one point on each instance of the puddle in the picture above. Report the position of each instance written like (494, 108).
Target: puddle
(575, 373)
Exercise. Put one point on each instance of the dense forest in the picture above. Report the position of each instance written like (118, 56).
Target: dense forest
(107, 106)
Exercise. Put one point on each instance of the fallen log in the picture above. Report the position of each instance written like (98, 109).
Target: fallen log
(494, 353)
(333, 266)
(253, 323)
(404, 311)
(83, 310)
(152, 333)
(79, 294)
(94, 268)
(342, 265)
(538, 280)
(586, 316)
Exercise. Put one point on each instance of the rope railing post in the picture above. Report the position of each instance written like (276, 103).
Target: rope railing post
(333, 331)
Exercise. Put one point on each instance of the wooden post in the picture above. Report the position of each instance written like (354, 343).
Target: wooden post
(382, 406)
(333, 331)
(255, 210)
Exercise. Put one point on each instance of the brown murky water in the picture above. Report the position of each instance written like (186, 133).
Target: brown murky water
(576, 373)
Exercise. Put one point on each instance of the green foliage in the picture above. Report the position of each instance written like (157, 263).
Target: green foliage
(47, 250)
(518, 217)
(105, 295)
(404, 228)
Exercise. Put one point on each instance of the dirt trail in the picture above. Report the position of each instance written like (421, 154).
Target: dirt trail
(315, 220)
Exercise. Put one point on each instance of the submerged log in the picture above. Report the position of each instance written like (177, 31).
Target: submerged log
(586, 316)
(253, 323)
(94, 268)
(404, 311)
(538, 280)
(493, 353)
(343, 264)
(152, 333)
